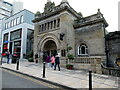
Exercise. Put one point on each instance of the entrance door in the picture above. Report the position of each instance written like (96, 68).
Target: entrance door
(50, 47)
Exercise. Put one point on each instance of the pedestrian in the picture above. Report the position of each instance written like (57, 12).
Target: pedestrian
(8, 54)
(10, 58)
(57, 62)
(48, 60)
(36, 58)
(52, 61)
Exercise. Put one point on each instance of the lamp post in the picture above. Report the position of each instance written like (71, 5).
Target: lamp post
(1, 59)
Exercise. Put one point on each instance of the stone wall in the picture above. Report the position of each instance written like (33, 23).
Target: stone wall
(93, 37)
(85, 63)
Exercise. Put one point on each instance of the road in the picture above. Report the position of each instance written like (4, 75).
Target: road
(14, 80)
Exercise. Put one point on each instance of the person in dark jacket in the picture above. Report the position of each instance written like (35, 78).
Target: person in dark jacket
(57, 62)
(36, 58)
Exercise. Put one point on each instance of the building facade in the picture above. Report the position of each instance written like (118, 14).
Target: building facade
(15, 33)
(113, 47)
(6, 10)
(61, 27)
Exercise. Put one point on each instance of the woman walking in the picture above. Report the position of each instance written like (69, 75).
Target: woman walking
(52, 61)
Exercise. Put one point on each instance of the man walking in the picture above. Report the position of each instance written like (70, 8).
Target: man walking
(57, 62)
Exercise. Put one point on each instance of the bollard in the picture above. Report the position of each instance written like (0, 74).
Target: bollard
(43, 69)
(90, 80)
(1, 60)
(17, 68)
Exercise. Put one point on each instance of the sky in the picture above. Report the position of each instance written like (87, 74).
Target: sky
(109, 8)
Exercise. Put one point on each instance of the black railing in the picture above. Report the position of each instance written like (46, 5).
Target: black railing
(111, 71)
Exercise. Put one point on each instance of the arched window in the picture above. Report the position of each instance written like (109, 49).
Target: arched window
(82, 49)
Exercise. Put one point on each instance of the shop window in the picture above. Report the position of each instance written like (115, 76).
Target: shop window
(16, 34)
(6, 37)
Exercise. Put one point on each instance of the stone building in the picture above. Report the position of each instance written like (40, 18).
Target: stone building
(61, 27)
(113, 47)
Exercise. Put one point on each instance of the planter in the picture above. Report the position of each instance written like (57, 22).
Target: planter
(69, 66)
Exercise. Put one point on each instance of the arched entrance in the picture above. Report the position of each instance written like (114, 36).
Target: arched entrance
(50, 47)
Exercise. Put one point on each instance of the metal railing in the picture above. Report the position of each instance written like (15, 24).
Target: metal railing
(111, 71)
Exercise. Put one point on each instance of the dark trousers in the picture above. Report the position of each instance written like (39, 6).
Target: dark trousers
(58, 66)
(8, 60)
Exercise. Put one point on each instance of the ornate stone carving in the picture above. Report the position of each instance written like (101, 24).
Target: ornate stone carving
(49, 7)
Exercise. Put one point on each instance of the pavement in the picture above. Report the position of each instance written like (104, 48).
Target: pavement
(65, 77)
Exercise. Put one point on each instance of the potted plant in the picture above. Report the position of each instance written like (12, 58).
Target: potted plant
(70, 56)
(31, 59)
(69, 66)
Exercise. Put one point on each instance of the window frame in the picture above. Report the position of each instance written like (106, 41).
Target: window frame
(80, 49)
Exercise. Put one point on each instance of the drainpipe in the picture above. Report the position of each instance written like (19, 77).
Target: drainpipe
(106, 48)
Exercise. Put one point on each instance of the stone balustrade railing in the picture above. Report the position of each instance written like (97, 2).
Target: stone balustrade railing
(86, 60)
(87, 63)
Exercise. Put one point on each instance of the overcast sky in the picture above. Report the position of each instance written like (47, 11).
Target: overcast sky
(109, 8)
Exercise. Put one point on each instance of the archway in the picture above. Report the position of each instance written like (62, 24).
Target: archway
(50, 47)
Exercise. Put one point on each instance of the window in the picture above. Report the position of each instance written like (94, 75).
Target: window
(51, 24)
(5, 25)
(63, 53)
(48, 25)
(18, 20)
(16, 34)
(58, 22)
(14, 22)
(8, 24)
(21, 19)
(54, 23)
(45, 27)
(83, 49)
(40, 29)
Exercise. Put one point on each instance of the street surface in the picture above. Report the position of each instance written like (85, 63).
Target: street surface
(14, 80)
